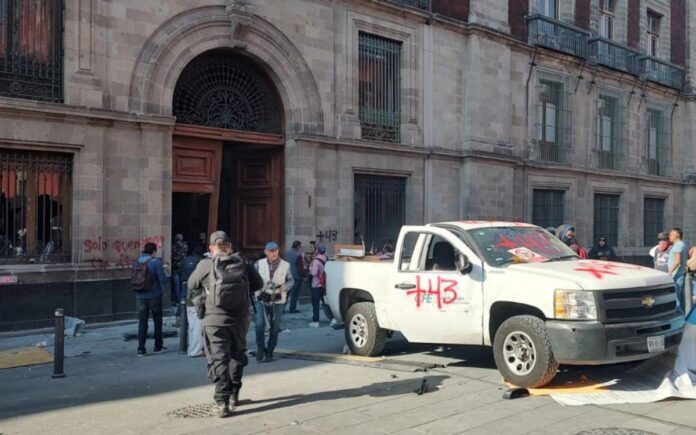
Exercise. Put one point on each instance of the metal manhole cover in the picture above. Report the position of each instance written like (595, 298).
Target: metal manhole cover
(615, 431)
(195, 411)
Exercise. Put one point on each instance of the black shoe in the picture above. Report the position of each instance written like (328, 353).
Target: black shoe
(259, 355)
(294, 312)
(222, 410)
(234, 400)
(142, 353)
(269, 357)
(160, 350)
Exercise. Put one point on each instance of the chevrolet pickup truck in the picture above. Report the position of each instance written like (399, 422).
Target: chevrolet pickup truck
(509, 285)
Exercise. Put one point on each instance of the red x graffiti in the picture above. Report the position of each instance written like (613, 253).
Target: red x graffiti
(599, 269)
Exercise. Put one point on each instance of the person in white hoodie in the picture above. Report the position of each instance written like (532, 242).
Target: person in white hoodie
(270, 300)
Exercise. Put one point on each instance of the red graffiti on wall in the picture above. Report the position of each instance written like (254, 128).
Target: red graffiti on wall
(121, 246)
(123, 262)
(444, 290)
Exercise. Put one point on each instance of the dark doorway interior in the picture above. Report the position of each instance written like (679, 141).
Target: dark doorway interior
(190, 214)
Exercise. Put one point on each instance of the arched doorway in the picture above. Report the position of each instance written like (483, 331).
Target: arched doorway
(227, 151)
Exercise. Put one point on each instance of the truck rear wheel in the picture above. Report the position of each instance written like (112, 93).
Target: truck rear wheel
(523, 353)
(363, 334)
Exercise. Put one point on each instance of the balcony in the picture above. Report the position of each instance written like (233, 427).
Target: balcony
(662, 72)
(418, 4)
(616, 56)
(558, 36)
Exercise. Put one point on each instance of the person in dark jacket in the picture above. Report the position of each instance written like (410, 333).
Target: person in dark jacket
(602, 251)
(225, 331)
(296, 260)
(566, 233)
(151, 301)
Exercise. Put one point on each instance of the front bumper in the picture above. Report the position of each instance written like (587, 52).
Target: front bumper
(593, 343)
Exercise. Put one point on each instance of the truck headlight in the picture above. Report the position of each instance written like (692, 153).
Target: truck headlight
(574, 305)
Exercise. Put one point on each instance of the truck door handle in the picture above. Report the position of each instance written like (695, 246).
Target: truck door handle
(405, 286)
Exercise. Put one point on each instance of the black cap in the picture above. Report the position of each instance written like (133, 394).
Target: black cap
(219, 237)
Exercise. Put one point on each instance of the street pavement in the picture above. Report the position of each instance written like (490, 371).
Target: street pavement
(108, 390)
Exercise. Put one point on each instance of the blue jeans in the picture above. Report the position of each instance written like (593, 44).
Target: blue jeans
(679, 285)
(271, 315)
(316, 302)
(294, 294)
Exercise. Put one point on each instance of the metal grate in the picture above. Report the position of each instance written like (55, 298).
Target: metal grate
(379, 64)
(195, 411)
(606, 218)
(610, 131)
(380, 209)
(658, 142)
(653, 219)
(548, 208)
(31, 49)
(553, 119)
(662, 72)
(224, 90)
(34, 207)
(556, 35)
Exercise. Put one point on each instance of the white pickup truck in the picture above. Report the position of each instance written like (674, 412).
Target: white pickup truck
(509, 285)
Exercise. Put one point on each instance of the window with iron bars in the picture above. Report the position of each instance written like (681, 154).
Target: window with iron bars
(658, 142)
(610, 131)
(548, 207)
(34, 207)
(653, 219)
(654, 20)
(553, 119)
(606, 218)
(31, 49)
(379, 64)
(380, 209)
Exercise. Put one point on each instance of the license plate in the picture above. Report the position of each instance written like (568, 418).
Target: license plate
(656, 344)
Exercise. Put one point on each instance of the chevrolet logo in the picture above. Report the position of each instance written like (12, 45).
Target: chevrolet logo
(647, 301)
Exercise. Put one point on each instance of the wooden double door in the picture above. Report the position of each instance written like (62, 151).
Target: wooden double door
(226, 185)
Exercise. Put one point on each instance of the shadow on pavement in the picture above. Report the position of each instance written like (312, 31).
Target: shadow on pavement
(465, 356)
(380, 389)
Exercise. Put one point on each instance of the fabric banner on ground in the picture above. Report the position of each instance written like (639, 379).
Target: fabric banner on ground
(663, 377)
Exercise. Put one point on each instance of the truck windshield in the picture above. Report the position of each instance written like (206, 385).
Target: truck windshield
(502, 246)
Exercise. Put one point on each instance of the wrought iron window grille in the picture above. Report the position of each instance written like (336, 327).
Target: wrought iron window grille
(653, 219)
(35, 203)
(379, 64)
(658, 142)
(31, 49)
(606, 218)
(610, 128)
(224, 90)
(553, 119)
(548, 207)
(379, 209)
(614, 55)
(556, 35)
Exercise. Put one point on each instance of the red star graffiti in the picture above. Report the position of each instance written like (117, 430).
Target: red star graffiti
(599, 269)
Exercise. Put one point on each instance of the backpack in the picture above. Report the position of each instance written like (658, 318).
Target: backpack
(228, 285)
(322, 276)
(141, 278)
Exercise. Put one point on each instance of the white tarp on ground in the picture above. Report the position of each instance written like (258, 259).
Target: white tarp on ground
(667, 376)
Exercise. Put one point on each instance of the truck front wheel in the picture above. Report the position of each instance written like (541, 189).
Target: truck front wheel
(363, 334)
(523, 353)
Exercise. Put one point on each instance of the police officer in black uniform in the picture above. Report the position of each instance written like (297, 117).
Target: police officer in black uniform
(225, 330)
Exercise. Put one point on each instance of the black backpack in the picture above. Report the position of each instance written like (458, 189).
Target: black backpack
(228, 287)
(141, 278)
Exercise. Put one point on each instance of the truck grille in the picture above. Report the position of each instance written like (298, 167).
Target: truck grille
(637, 305)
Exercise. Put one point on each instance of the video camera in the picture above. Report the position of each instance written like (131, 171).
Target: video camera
(270, 294)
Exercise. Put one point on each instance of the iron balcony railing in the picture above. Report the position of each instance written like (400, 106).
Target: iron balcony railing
(418, 4)
(556, 35)
(609, 53)
(662, 72)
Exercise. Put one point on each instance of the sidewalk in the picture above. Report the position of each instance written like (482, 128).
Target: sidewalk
(107, 390)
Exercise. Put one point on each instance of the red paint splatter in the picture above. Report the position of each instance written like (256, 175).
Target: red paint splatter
(444, 290)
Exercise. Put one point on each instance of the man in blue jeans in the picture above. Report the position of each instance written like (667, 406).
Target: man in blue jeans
(270, 300)
(151, 301)
(676, 263)
(316, 269)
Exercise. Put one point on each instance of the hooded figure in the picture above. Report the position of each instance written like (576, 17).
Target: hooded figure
(566, 233)
(602, 251)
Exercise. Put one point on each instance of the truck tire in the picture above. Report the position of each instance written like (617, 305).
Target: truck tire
(523, 353)
(363, 334)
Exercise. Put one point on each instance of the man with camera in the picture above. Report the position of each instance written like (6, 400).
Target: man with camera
(220, 289)
(270, 300)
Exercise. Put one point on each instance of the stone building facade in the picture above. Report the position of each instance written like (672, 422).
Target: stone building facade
(330, 121)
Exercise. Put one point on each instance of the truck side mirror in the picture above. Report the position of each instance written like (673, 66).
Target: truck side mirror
(463, 264)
